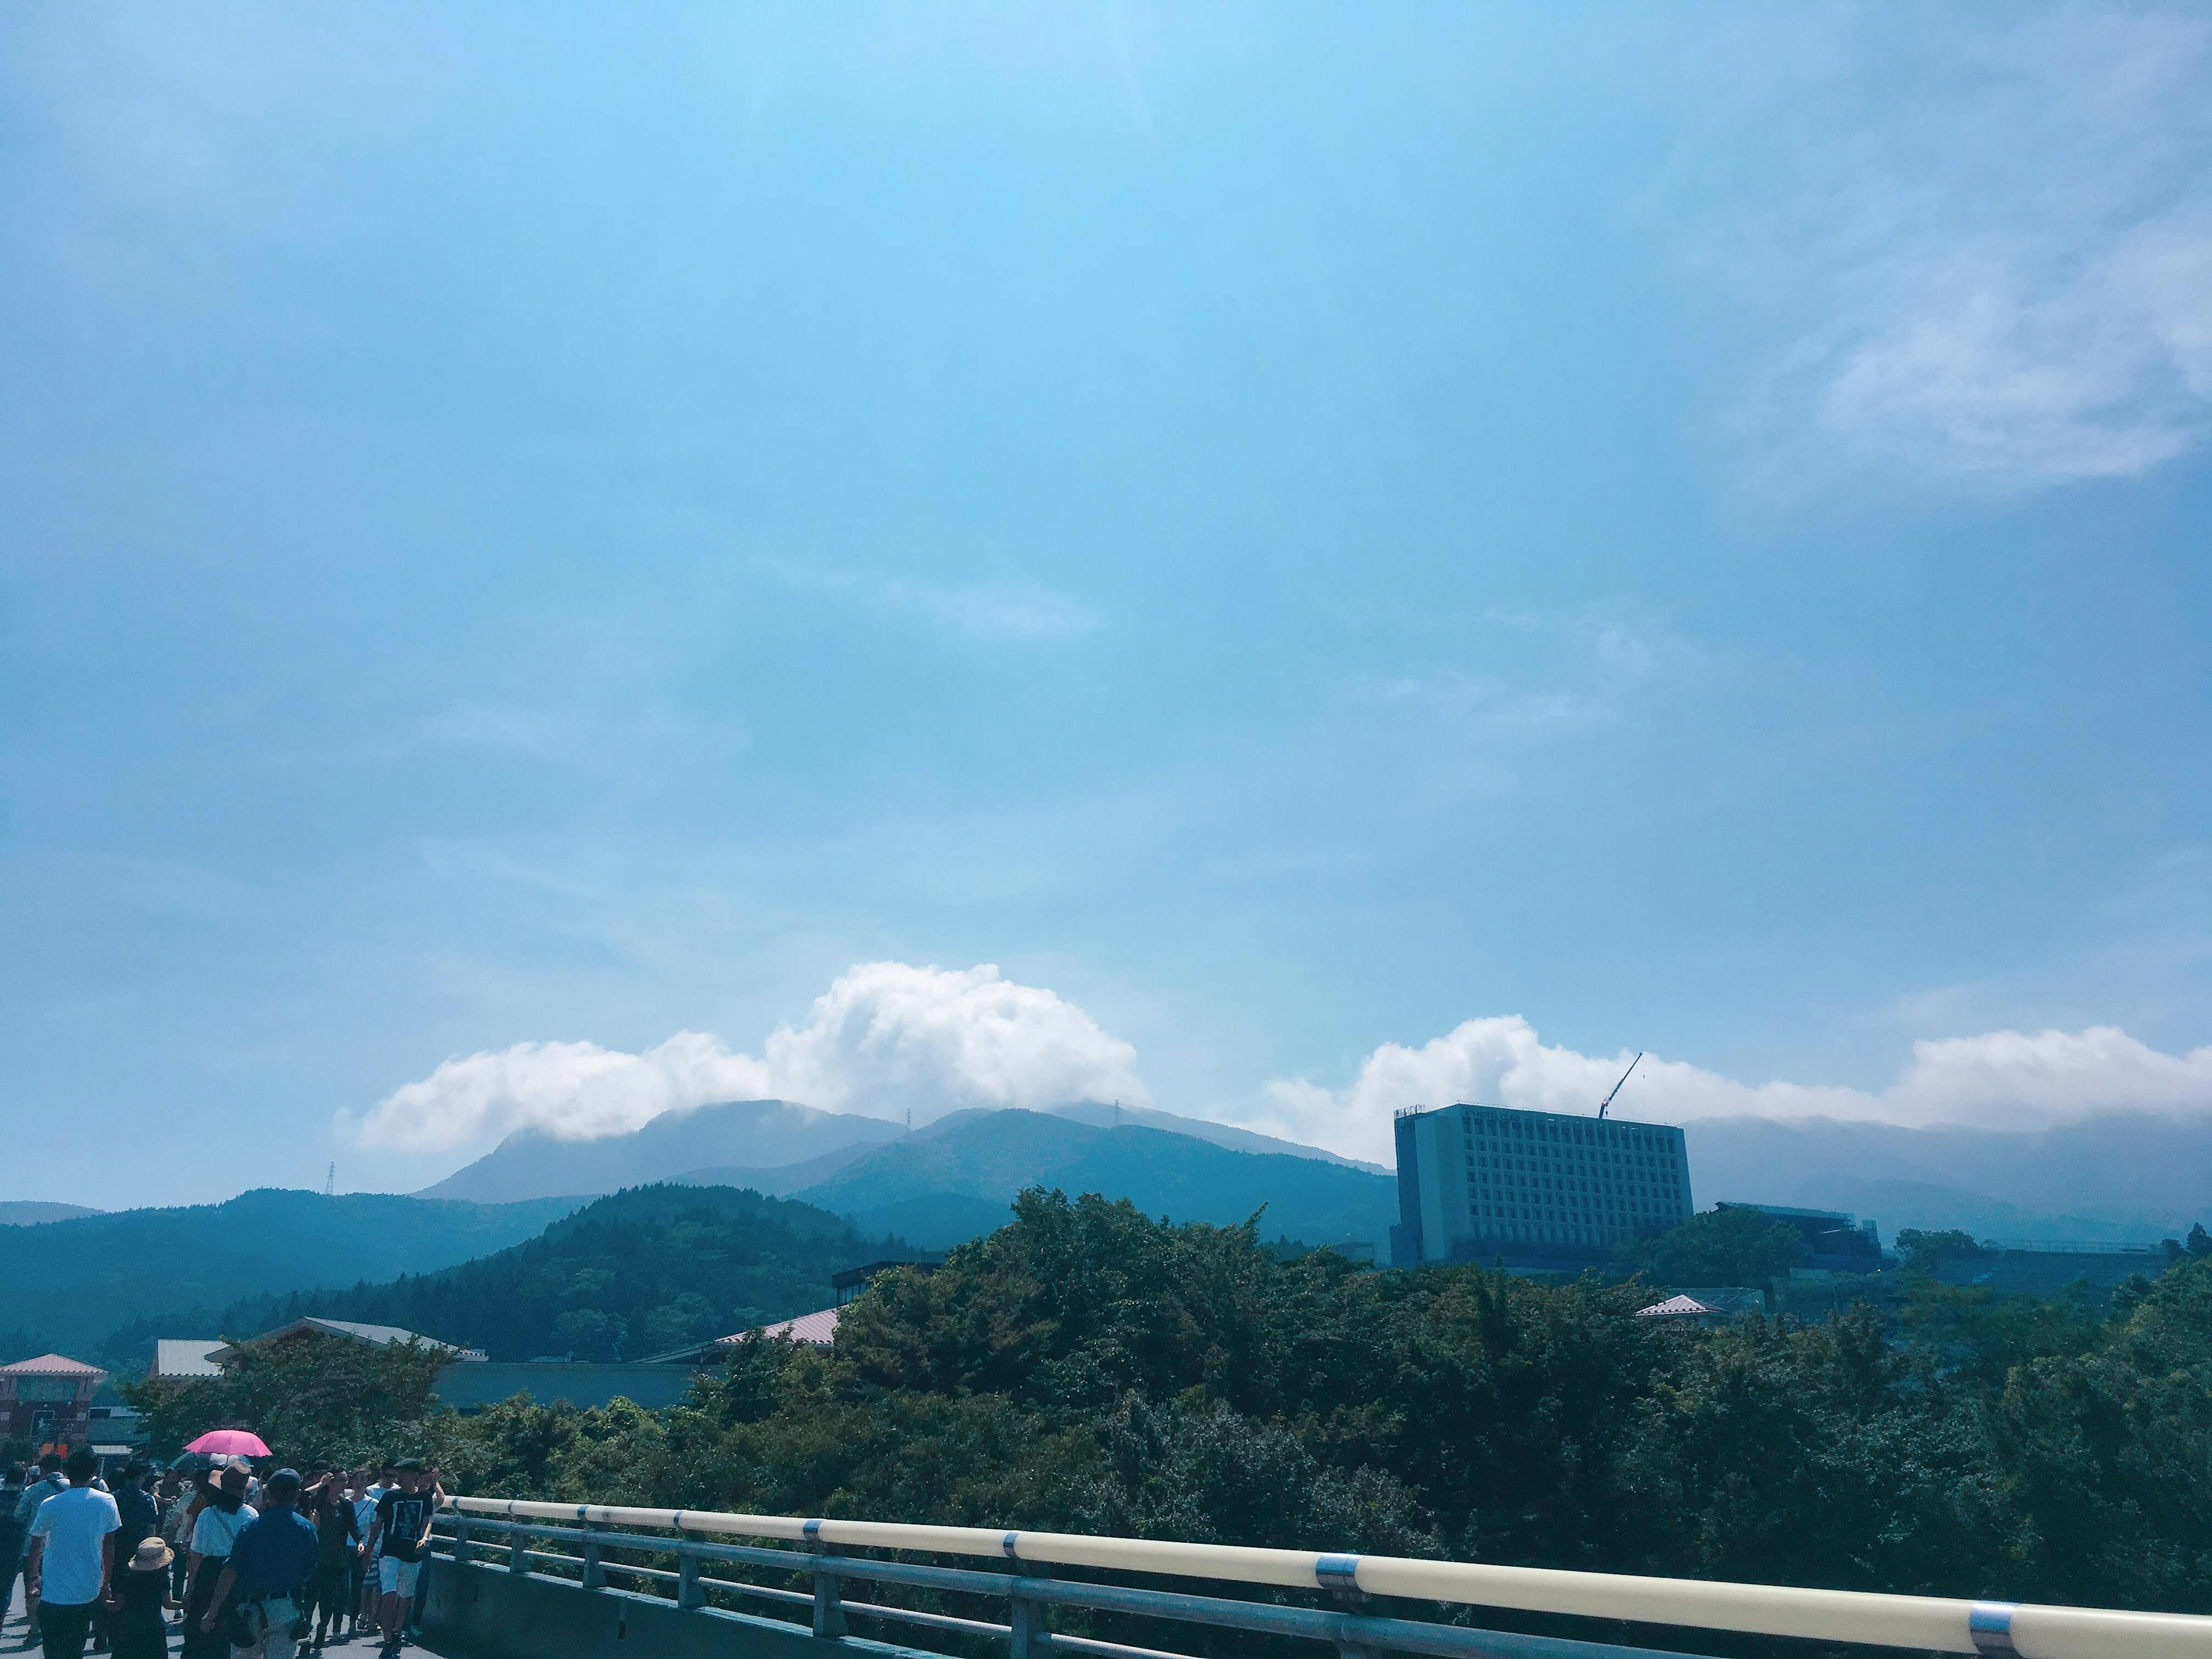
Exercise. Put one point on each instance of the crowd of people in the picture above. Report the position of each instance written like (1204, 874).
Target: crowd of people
(269, 1567)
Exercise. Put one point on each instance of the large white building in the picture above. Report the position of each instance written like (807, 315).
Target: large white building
(1475, 1182)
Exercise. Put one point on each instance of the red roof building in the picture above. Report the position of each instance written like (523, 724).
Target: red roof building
(45, 1404)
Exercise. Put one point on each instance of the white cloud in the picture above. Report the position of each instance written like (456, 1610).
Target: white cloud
(885, 1037)
(2002, 1079)
(576, 1090)
(1990, 251)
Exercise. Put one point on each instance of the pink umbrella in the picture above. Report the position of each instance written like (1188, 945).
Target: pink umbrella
(229, 1442)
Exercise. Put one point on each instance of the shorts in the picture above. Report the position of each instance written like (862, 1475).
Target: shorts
(396, 1577)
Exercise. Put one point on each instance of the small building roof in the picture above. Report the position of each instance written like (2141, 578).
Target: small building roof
(51, 1364)
(186, 1356)
(818, 1330)
(1676, 1307)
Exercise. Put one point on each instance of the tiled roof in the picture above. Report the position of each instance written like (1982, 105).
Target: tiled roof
(51, 1364)
(820, 1330)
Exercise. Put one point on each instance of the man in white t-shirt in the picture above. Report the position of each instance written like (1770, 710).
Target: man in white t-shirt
(72, 1541)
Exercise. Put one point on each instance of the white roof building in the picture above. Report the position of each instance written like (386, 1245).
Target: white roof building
(186, 1356)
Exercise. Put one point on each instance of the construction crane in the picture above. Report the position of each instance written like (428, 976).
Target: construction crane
(1607, 1101)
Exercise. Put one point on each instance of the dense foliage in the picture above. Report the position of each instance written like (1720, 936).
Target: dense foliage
(627, 1276)
(1733, 1246)
(1088, 1369)
(317, 1396)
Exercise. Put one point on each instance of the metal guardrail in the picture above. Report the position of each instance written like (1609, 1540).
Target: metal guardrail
(1998, 1629)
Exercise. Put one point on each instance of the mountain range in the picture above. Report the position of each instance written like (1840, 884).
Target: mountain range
(2131, 1178)
(33, 1211)
(955, 1178)
(752, 1134)
(774, 1146)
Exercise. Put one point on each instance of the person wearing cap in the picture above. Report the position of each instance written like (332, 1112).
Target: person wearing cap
(72, 1553)
(140, 1596)
(267, 1573)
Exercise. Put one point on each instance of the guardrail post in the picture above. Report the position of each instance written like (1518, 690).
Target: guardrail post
(690, 1593)
(1029, 1636)
(829, 1604)
(460, 1538)
(595, 1572)
(518, 1547)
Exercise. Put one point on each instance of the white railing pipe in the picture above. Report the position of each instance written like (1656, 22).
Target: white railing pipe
(1927, 1623)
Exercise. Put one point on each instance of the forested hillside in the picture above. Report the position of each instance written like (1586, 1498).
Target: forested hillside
(69, 1284)
(1088, 1369)
(628, 1276)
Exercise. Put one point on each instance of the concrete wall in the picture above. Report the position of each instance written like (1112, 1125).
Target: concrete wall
(488, 1613)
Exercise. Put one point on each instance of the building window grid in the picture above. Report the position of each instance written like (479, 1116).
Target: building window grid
(1556, 1181)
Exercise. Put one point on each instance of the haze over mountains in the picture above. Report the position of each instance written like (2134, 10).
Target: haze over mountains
(2131, 1178)
(750, 1134)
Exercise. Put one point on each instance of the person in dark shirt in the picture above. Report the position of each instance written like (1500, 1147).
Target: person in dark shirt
(142, 1595)
(135, 1509)
(268, 1570)
(337, 1537)
(401, 1528)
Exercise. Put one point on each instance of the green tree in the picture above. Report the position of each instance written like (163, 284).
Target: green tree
(1733, 1246)
(1930, 1252)
(310, 1397)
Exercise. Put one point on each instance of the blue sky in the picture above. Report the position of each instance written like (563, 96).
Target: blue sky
(1284, 530)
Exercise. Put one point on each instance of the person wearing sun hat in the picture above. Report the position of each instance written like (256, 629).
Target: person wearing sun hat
(140, 1596)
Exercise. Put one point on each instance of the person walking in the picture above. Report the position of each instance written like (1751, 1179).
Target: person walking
(72, 1553)
(267, 1574)
(337, 1537)
(222, 1518)
(372, 1592)
(434, 1488)
(177, 1516)
(141, 1596)
(401, 1533)
(364, 1512)
(36, 1492)
(141, 1519)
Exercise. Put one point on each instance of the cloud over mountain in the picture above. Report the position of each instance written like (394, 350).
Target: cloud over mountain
(886, 1036)
(1998, 1080)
